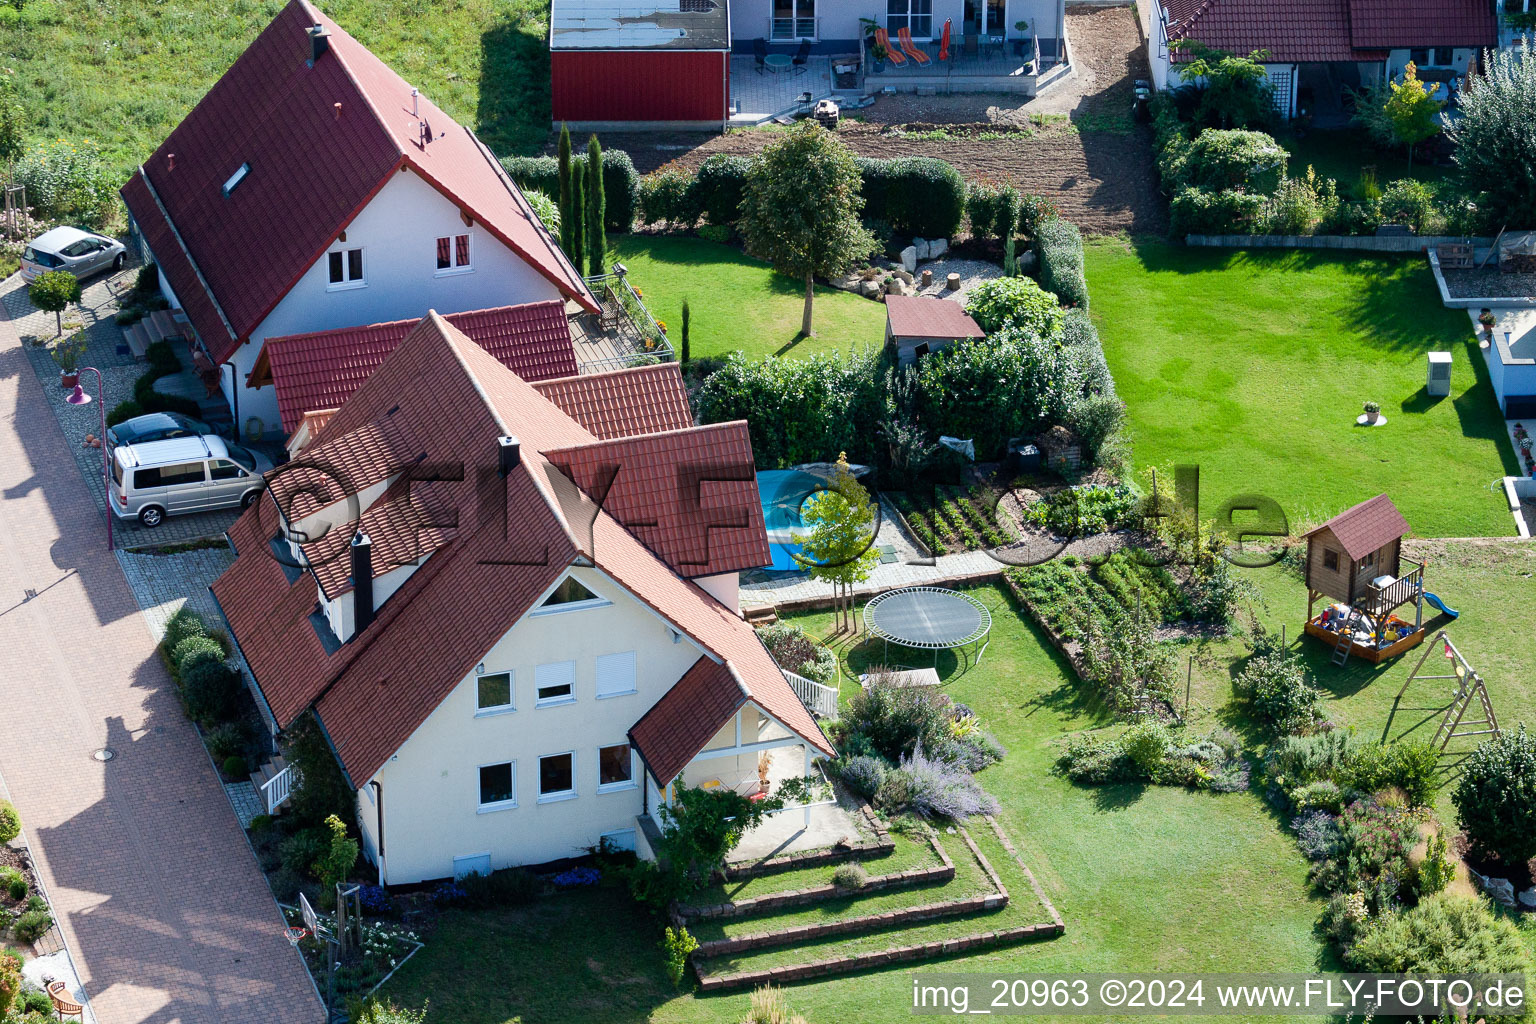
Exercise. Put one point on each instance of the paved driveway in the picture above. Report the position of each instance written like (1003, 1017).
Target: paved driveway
(158, 894)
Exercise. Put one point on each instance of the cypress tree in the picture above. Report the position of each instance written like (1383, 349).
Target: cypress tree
(564, 159)
(597, 241)
(686, 355)
(577, 248)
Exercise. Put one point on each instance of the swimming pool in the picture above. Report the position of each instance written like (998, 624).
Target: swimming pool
(783, 493)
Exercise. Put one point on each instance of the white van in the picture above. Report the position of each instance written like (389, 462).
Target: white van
(183, 474)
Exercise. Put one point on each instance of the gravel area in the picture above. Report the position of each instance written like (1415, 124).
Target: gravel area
(1489, 283)
(972, 273)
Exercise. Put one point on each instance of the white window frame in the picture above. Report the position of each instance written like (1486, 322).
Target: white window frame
(616, 787)
(497, 805)
(550, 702)
(616, 660)
(627, 833)
(497, 709)
(596, 601)
(346, 284)
(453, 252)
(564, 794)
(905, 19)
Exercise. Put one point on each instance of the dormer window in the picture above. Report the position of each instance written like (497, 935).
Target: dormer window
(235, 179)
(569, 595)
(453, 254)
(345, 267)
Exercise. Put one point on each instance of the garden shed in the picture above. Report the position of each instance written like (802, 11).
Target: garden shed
(662, 64)
(918, 324)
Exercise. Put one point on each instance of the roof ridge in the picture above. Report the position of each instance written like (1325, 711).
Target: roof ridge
(631, 370)
(628, 438)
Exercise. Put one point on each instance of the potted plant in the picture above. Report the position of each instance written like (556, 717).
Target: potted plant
(67, 355)
(878, 53)
(1018, 44)
(1372, 412)
(1487, 319)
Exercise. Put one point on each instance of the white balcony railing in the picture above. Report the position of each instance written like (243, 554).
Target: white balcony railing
(789, 29)
(819, 699)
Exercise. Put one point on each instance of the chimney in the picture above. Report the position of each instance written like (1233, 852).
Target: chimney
(337, 108)
(319, 43)
(362, 582)
(415, 103)
(508, 454)
(170, 161)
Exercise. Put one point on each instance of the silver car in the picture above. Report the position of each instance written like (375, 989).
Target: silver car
(80, 252)
(183, 474)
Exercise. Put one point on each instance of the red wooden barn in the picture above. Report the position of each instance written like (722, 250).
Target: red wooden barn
(640, 63)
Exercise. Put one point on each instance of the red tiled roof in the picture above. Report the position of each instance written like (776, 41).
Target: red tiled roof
(683, 721)
(1400, 24)
(923, 316)
(620, 403)
(407, 523)
(449, 399)
(321, 370)
(230, 258)
(1368, 526)
(689, 495)
(1295, 30)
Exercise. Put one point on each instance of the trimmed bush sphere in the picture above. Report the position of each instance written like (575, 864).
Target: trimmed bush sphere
(1496, 797)
(10, 822)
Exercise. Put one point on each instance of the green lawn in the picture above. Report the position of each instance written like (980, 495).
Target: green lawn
(739, 304)
(124, 74)
(1341, 154)
(1254, 365)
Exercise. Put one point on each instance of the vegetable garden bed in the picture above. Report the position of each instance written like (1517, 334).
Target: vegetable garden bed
(951, 519)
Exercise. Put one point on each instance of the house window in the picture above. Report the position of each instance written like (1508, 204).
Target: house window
(346, 268)
(453, 253)
(1419, 57)
(557, 777)
(794, 19)
(555, 682)
(616, 674)
(1368, 561)
(915, 15)
(235, 179)
(498, 786)
(1330, 560)
(1444, 57)
(615, 768)
(493, 692)
(570, 595)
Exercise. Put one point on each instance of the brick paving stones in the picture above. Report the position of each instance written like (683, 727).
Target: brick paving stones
(158, 895)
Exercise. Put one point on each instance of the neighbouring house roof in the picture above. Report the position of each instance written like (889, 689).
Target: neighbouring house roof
(689, 495)
(1294, 31)
(1398, 24)
(438, 399)
(619, 403)
(320, 370)
(639, 25)
(923, 316)
(679, 725)
(1368, 526)
(317, 140)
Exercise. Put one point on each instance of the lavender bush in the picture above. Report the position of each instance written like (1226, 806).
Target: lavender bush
(864, 774)
(933, 789)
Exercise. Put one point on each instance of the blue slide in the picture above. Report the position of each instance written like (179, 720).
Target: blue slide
(1432, 599)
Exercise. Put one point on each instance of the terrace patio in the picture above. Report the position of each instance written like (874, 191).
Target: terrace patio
(623, 334)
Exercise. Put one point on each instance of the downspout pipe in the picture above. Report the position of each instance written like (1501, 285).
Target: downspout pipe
(378, 803)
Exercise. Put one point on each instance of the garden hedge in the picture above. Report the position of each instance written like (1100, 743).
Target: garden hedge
(621, 183)
(1221, 159)
(718, 186)
(1197, 211)
(1059, 247)
(920, 196)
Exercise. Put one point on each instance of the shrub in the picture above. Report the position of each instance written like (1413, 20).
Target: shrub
(1496, 797)
(124, 410)
(1219, 160)
(15, 884)
(863, 774)
(1059, 246)
(212, 690)
(718, 186)
(1195, 211)
(30, 926)
(717, 233)
(10, 982)
(1013, 302)
(920, 196)
(1324, 795)
(1095, 419)
(1295, 761)
(1372, 856)
(933, 789)
(1010, 385)
(621, 185)
(1299, 205)
(978, 750)
(1410, 767)
(234, 767)
(992, 209)
(1279, 692)
(1033, 211)
(678, 945)
(340, 854)
(1093, 761)
(52, 291)
(1410, 202)
(185, 623)
(303, 849)
(666, 196)
(794, 650)
(10, 822)
(321, 789)
(35, 1002)
(1146, 743)
(195, 650)
(67, 180)
(1080, 341)
(373, 1011)
(1495, 138)
(512, 887)
(1444, 934)
(226, 741)
(1317, 833)
(850, 876)
(896, 720)
(1436, 870)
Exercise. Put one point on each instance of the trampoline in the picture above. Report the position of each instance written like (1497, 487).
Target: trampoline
(929, 618)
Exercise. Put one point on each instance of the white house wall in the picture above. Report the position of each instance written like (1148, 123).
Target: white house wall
(725, 588)
(839, 22)
(398, 232)
(431, 786)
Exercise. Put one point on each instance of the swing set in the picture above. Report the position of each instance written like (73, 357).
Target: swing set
(1467, 687)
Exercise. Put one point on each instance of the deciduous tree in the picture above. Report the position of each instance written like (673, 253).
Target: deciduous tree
(1495, 138)
(840, 546)
(1412, 112)
(52, 291)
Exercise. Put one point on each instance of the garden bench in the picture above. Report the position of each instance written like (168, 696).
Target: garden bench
(63, 1005)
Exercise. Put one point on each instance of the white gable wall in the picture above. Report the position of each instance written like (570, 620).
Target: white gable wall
(398, 232)
(431, 787)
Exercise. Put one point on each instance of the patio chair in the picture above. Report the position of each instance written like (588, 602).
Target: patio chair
(63, 1005)
(944, 57)
(904, 34)
(802, 54)
(892, 54)
(759, 54)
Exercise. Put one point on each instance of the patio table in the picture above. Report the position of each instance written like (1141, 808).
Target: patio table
(777, 62)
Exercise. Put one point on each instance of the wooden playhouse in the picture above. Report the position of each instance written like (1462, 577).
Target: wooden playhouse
(1356, 559)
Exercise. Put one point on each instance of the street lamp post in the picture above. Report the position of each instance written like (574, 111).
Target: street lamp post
(79, 397)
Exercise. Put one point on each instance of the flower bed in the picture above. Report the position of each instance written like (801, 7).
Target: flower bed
(382, 947)
(948, 519)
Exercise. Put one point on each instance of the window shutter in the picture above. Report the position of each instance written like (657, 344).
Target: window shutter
(616, 674)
